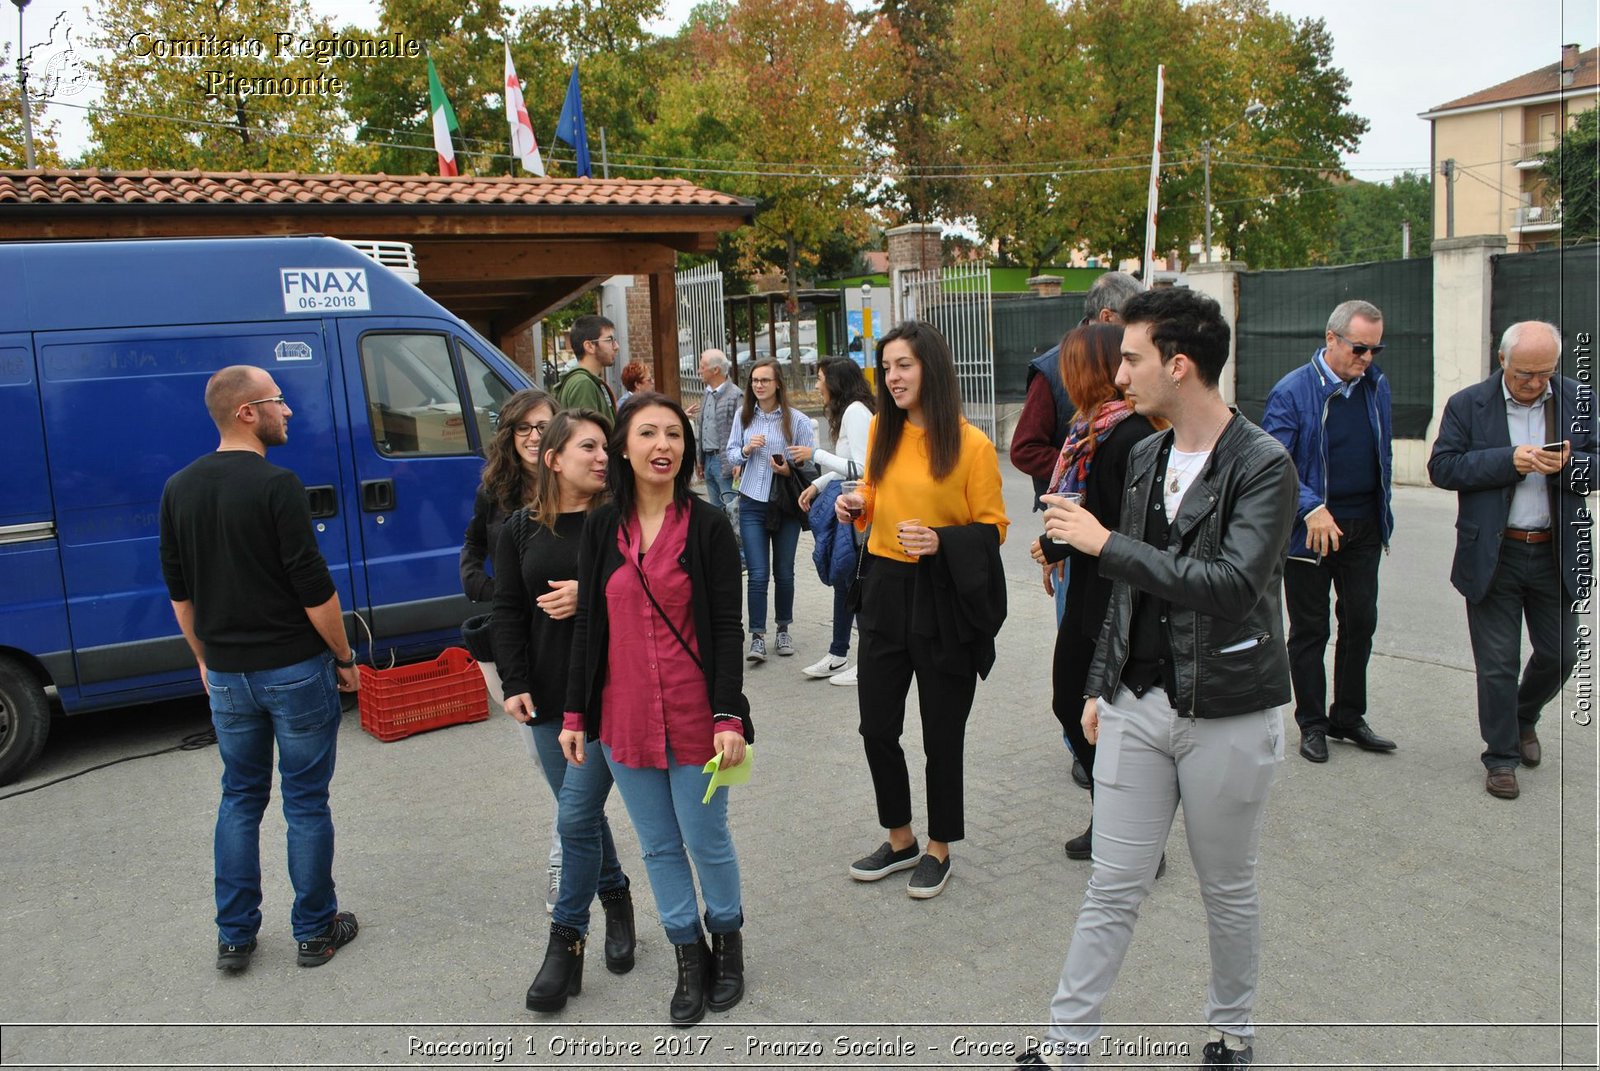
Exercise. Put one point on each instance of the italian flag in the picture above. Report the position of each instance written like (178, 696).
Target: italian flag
(444, 122)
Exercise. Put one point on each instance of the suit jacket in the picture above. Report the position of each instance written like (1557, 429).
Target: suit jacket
(1472, 457)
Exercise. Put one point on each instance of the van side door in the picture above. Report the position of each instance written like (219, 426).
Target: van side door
(423, 405)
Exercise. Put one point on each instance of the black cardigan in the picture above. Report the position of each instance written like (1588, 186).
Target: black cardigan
(710, 557)
(478, 546)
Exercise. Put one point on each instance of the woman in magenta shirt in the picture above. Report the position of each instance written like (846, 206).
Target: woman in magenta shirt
(656, 595)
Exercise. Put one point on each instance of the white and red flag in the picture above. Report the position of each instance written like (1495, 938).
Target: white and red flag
(524, 146)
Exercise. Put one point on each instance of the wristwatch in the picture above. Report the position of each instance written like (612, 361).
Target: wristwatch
(346, 663)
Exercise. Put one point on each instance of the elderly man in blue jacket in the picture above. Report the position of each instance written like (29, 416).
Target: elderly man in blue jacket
(1333, 416)
(1519, 451)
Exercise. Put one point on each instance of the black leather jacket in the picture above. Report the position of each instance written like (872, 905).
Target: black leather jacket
(1224, 581)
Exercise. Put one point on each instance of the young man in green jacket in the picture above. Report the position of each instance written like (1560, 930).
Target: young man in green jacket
(594, 340)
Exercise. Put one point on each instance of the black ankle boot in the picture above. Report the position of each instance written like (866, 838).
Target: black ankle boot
(727, 971)
(689, 1002)
(561, 976)
(618, 904)
(1082, 846)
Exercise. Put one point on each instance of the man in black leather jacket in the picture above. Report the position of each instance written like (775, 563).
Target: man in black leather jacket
(1189, 675)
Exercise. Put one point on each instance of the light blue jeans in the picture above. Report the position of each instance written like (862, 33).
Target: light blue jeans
(589, 856)
(668, 815)
(296, 707)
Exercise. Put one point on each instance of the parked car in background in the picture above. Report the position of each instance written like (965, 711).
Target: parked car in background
(808, 357)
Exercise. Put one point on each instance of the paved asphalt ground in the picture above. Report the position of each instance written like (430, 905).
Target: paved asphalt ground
(1410, 920)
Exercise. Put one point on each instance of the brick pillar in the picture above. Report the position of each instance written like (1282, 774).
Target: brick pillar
(912, 247)
(1045, 285)
(1219, 281)
(641, 340)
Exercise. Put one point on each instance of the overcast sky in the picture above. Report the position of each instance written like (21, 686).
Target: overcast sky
(1402, 56)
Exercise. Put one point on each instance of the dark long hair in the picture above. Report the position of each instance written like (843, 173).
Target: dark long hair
(547, 498)
(939, 397)
(846, 385)
(748, 413)
(503, 476)
(619, 474)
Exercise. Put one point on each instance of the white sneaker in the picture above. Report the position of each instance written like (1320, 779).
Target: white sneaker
(758, 648)
(847, 679)
(554, 890)
(826, 666)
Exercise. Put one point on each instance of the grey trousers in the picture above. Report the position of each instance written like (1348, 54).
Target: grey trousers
(1147, 761)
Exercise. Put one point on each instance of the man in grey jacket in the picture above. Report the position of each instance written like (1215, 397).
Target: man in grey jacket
(1190, 673)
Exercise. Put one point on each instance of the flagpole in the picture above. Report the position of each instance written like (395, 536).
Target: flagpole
(1151, 205)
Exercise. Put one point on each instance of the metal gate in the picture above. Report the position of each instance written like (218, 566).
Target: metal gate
(700, 324)
(958, 302)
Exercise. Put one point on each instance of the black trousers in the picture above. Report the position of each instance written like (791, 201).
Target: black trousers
(1526, 586)
(1352, 572)
(890, 657)
(1070, 674)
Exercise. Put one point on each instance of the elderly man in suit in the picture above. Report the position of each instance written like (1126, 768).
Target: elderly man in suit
(1519, 450)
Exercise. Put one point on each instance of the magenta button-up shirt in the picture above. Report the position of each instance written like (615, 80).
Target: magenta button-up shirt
(655, 695)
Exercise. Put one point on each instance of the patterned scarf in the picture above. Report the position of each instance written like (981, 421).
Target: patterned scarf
(1072, 467)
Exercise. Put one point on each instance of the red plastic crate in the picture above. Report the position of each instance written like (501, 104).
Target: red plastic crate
(396, 703)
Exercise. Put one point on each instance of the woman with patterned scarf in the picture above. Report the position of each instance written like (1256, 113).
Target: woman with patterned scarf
(1094, 464)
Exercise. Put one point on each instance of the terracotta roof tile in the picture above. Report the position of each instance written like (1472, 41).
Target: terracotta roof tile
(1545, 80)
(195, 187)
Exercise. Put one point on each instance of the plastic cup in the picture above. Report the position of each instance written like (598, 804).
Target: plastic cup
(1073, 497)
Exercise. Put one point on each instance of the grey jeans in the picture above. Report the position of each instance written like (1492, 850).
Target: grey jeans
(1147, 761)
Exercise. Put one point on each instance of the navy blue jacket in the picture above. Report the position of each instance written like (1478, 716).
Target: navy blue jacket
(1297, 416)
(1472, 457)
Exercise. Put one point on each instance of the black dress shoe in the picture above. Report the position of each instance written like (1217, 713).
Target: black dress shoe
(1080, 776)
(1362, 736)
(1082, 846)
(1313, 746)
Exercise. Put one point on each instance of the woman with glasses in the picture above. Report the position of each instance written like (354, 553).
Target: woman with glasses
(655, 687)
(932, 594)
(636, 377)
(509, 483)
(763, 430)
(537, 563)
(847, 400)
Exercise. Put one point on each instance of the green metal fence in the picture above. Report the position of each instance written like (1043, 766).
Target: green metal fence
(1025, 327)
(1283, 316)
(1559, 285)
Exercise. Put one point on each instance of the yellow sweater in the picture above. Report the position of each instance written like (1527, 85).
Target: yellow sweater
(906, 490)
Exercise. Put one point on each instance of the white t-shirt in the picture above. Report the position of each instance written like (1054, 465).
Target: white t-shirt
(1182, 469)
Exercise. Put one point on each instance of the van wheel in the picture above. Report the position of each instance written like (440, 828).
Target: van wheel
(24, 719)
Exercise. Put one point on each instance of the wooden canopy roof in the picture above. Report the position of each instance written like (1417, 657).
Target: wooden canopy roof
(500, 252)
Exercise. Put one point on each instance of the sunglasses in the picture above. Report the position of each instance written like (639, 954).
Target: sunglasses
(1360, 349)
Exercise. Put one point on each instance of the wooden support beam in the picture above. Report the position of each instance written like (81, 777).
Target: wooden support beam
(464, 262)
(664, 332)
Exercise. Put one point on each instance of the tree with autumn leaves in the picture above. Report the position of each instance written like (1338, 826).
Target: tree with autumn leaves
(1028, 122)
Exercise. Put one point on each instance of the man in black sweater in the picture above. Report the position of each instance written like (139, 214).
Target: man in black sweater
(256, 604)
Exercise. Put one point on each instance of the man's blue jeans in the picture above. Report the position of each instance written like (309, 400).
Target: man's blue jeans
(298, 708)
(768, 554)
(719, 483)
(588, 856)
(668, 816)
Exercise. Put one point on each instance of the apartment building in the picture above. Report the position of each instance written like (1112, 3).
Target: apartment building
(1486, 148)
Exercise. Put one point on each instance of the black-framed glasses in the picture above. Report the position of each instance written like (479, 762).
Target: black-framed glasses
(263, 401)
(523, 429)
(1360, 349)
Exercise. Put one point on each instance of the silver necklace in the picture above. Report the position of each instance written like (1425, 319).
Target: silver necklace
(1174, 476)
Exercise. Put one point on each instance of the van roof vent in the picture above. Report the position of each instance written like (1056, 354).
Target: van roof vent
(398, 257)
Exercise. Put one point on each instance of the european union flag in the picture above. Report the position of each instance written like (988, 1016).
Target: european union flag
(570, 128)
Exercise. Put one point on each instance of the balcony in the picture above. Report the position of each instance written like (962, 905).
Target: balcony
(1526, 154)
(1531, 218)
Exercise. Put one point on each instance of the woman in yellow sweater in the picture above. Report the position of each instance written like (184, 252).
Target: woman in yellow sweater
(932, 502)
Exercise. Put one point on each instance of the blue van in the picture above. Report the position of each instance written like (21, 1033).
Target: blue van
(105, 349)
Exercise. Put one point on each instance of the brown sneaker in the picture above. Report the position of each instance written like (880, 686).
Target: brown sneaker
(1502, 782)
